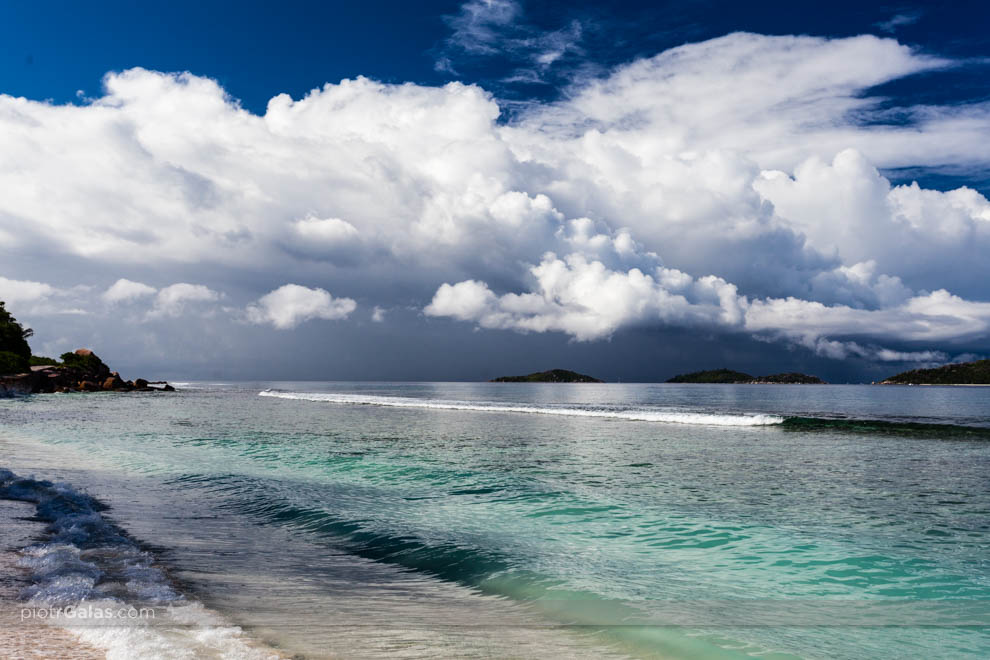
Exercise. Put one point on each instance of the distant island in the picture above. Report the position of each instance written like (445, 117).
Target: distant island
(730, 377)
(712, 376)
(552, 376)
(964, 373)
(790, 378)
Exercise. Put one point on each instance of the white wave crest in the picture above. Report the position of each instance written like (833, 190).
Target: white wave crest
(639, 415)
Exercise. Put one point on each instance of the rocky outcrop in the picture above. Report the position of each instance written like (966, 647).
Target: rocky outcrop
(16, 384)
(81, 371)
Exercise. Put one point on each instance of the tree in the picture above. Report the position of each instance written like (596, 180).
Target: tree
(13, 336)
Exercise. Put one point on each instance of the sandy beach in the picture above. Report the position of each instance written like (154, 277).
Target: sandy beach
(188, 628)
(28, 638)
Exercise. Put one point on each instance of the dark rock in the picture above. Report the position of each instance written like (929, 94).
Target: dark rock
(117, 384)
(113, 382)
(16, 385)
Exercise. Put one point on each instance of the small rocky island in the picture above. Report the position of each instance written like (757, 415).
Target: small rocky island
(78, 371)
(730, 377)
(964, 373)
(552, 376)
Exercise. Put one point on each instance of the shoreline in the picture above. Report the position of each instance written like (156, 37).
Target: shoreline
(55, 623)
(405, 610)
(20, 638)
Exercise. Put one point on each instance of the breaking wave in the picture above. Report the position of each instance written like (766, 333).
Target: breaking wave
(638, 415)
(89, 577)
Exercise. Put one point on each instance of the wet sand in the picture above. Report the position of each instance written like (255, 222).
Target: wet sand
(28, 639)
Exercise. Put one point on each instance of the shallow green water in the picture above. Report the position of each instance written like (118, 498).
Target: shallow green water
(659, 521)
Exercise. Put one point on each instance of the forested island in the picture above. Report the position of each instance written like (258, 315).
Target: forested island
(78, 371)
(730, 377)
(552, 376)
(790, 378)
(964, 373)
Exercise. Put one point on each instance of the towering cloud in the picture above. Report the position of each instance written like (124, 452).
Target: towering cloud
(732, 185)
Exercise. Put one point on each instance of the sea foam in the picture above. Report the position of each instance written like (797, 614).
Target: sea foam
(90, 578)
(638, 415)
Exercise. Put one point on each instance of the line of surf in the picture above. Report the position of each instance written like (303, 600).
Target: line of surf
(638, 415)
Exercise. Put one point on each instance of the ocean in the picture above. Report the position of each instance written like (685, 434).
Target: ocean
(508, 520)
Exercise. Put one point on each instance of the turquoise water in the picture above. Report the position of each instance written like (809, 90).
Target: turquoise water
(519, 519)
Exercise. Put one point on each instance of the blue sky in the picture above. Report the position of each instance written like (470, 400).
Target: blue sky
(61, 50)
(491, 184)
(259, 49)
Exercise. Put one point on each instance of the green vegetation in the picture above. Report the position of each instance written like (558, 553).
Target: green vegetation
(792, 378)
(14, 349)
(12, 363)
(41, 361)
(713, 376)
(728, 376)
(13, 336)
(85, 361)
(965, 373)
(552, 376)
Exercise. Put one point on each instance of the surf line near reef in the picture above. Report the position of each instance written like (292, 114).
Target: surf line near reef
(638, 415)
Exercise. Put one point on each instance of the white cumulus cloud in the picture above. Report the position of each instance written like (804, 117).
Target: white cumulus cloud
(13, 292)
(174, 300)
(124, 290)
(291, 304)
(589, 301)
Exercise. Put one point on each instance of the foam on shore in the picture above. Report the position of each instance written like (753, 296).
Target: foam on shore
(20, 638)
(88, 582)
